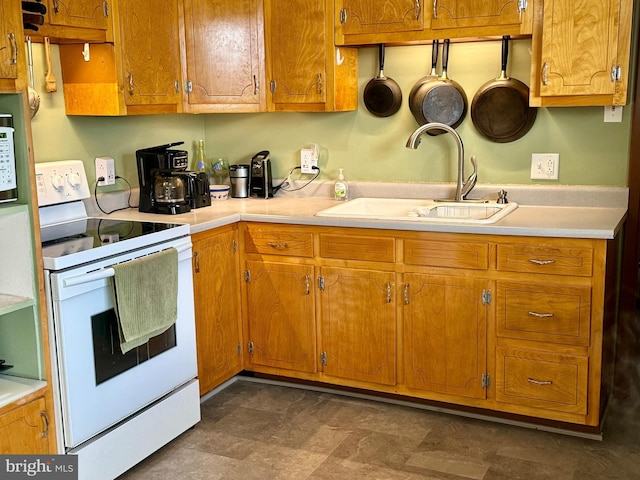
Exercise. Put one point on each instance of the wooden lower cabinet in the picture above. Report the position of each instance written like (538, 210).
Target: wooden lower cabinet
(542, 380)
(514, 325)
(217, 301)
(280, 316)
(25, 429)
(358, 322)
(445, 334)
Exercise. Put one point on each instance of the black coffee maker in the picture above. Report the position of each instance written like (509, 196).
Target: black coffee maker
(165, 184)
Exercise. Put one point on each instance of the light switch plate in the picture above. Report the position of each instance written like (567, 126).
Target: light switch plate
(612, 114)
(544, 166)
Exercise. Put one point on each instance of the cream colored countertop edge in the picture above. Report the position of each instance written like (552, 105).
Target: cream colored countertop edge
(545, 211)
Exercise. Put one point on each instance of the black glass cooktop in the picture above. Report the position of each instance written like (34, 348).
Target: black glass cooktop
(89, 235)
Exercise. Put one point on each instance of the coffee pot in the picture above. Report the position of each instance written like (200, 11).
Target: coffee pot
(168, 189)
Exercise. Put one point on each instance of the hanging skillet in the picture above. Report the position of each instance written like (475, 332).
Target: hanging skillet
(500, 110)
(415, 103)
(444, 100)
(382, 95)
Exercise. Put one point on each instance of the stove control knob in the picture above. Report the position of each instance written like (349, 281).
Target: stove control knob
(58, 182)
(74, 179)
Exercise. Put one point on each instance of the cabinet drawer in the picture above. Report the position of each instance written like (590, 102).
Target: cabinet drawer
(542, 380)
(529, 258)
(440, 253)
(357, 247)
(543, 312)
(271, 240)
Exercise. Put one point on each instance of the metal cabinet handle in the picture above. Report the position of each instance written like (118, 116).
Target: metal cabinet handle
(522, 7)
(545, 70)
(417, 9)
(45, 419)
(542, 262)
(278, 246)
(319, 84)
(14, 45)
(435, 6)
(56, 7)
(307, 284)
(388, 292)
(196, 262)
(406, 294)
(130, 77)
(540, 315)
(539, 382)
(256, 85)
(176, 85)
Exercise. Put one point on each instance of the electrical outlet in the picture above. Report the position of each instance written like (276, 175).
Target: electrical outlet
(309, 159)
(544, 166)
(105, 168)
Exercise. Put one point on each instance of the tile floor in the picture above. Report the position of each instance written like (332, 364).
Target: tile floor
(263, 431)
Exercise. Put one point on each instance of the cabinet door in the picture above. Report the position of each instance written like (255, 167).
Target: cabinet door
(217, 307)
(150, 51)
(474, 13)
(380, 16)
(25, 430)
(224, 53)
(79, 13)
(281, 315)
(445, 334)
(359, 324)
(579, 47)
(297, 50)
(10, 34)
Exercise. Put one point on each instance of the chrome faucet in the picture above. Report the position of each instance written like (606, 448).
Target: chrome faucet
(462, 188)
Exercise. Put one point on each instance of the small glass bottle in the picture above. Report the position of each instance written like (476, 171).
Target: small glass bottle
(341, 190)
(200, 160)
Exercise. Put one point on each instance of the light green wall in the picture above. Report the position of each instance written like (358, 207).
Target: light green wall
(367, 147)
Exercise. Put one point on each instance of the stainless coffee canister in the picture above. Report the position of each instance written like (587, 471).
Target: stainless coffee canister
(239, 176)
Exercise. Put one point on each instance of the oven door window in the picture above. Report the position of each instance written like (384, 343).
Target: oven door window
(109, 361)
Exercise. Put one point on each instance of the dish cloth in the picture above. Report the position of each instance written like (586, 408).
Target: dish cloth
(146, 297)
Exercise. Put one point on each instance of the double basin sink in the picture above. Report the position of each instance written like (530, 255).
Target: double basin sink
(417, 210)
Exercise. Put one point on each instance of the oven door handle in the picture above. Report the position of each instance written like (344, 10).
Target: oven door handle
(106, 272)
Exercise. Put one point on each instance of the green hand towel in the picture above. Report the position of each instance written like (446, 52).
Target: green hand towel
(146, 297)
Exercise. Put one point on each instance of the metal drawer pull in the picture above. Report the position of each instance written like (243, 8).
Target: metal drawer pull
(541, 262)
(307, 284)
(417, 9)
(14, 45)
(279, 246)
(435, 8)
(45, 419)
(540, 315)
(538, 382)
(545, 70)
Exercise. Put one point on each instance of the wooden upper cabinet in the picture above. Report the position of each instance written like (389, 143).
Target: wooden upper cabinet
(79, 13)
(150, 52)
(137, 74)
(379, 16)
(224, 56)
(476, 13)
(11, 44)
(305, 71)
(581, 52)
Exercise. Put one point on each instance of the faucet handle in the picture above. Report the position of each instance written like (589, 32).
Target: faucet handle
(473, 178)
(502, 197)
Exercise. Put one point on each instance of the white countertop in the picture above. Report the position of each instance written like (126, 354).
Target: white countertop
(578, 212)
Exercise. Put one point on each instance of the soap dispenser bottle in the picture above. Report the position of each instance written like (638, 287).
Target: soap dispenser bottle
(340, 191)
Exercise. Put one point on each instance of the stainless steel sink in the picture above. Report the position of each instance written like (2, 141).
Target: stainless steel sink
(420, 210)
